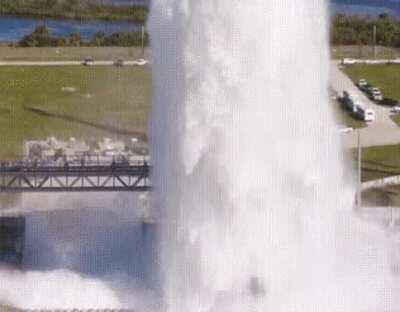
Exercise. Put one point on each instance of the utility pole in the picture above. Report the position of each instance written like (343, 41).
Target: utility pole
(374, 40)
(358, 199)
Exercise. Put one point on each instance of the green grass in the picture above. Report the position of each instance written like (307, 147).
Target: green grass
(108, 101)
(385, 77)
(380, 161)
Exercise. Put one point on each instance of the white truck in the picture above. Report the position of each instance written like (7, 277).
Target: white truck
(366, 114)
(357, 107)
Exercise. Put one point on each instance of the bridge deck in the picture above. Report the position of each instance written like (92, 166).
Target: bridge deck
(97, 178)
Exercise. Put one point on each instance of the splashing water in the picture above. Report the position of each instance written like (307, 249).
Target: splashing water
(254, 198)
(83, 252)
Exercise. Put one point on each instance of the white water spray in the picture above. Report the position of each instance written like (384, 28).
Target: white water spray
(255, 203)
(83, 252)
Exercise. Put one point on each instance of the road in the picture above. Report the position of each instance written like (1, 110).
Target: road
(61, 63)
(383, 131)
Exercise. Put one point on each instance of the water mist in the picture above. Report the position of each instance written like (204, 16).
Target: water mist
(83, 251)
(255, 203)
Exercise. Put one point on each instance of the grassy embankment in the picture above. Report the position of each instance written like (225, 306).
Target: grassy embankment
(72, 9)
(95, 102)
(378, 162)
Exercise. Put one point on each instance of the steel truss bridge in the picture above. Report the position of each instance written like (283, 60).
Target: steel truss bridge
(30, 177)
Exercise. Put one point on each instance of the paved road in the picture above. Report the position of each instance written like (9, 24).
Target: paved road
(61, 63)
(383, 131)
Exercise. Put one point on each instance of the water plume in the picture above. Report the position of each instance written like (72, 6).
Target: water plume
(255, 198)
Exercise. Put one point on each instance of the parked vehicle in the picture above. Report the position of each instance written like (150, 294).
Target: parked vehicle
(350, 101)
(375, 94)
(395, 109)
(390, 102)
(366, 87)
(140, 62)
(362, 83)
(88, 61)
(119, 62)
(367, 114)
(356, 107)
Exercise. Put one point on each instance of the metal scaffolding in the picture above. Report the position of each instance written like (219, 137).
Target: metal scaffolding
(28, 177)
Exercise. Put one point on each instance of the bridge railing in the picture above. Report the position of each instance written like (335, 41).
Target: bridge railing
(28, 176)
(86, 160)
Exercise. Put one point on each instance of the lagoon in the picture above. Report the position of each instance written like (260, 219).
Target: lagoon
(358, 9)
(13, 29)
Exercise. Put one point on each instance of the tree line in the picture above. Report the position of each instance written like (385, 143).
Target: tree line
(41, 37)
(358, 30)
(73, 9)
(345, 30)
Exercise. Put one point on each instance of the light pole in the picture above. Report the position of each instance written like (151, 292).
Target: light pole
(143, 33)
(374, 40)
(359, 155)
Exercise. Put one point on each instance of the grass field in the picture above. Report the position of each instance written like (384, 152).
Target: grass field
(380, 161)
(84, 102)
(386, 77)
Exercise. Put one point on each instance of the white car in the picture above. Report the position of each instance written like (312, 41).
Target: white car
(362, 83)
(140, 62)
(376, 94)
(88, 61)
(395, 109)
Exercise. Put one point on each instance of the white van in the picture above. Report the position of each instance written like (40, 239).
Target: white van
(369, 115)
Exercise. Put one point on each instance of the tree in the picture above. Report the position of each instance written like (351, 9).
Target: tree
(40, 37)
(75, 39)
(99, 39)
